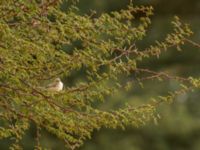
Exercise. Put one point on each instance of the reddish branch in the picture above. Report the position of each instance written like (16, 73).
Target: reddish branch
(193, 43)
(159, 74)
(44, 7)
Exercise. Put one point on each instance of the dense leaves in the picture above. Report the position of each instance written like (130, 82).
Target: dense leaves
(39, 42)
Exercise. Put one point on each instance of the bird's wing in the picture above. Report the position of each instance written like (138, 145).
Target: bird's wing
(52, 85)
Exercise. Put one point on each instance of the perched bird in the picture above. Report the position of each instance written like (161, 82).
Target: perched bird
(56, 86)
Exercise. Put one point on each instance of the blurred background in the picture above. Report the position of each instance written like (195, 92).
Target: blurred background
(179, 126)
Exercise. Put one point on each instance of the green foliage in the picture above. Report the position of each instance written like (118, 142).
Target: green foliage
(39, 42)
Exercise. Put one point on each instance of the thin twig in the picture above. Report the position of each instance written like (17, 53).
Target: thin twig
(159, 74)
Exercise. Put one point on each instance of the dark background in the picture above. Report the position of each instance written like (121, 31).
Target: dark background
(179, 126)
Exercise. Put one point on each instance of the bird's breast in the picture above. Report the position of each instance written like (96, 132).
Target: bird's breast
(60, 86)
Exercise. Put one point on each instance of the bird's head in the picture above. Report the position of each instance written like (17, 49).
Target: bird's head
(57, 80)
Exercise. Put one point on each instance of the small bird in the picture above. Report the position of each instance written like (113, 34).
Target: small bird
(56, 86)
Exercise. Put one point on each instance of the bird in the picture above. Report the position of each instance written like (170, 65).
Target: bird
(55, 86)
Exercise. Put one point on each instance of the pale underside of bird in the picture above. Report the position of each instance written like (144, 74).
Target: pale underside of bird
(56, 85)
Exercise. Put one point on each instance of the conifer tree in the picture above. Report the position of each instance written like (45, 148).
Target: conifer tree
(40, 42)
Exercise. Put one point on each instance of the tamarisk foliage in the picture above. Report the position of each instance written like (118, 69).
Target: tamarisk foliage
(37, 44)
